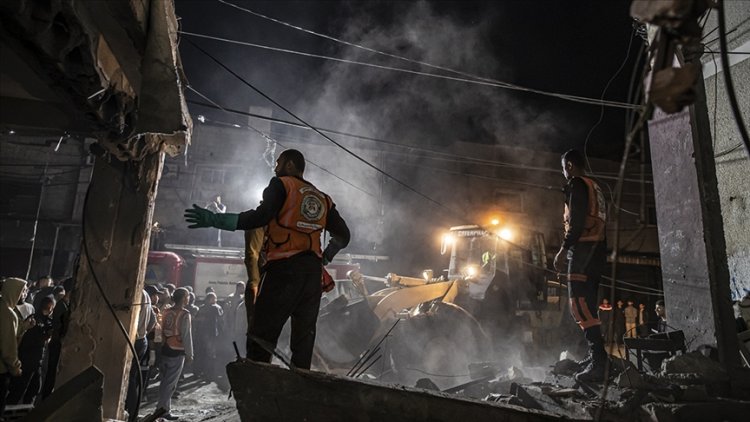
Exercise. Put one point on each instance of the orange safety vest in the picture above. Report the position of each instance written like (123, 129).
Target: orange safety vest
(171, 328)
(596, 216)
(300, 221)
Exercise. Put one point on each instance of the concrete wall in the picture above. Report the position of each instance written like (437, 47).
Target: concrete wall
(732, 162)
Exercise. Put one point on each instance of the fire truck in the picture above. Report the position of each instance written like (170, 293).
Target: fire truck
(219, 267)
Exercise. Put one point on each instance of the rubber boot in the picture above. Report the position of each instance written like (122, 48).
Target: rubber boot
(594, 371)
(583, 363)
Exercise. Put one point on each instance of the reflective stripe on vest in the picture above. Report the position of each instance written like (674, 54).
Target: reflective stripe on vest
(300, 221)
(171, 328)
(594, 229)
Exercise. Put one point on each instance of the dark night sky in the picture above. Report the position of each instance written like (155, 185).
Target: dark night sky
(571, 47)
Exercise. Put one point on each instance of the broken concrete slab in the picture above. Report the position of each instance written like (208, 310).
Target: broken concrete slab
(426, 384)
(721, 410)
(630, 378)
(566, 367)
(78, 400)
(695, 363)
(535, 396)
(269, 393)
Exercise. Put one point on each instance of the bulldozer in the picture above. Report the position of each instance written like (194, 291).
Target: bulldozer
(494, 303)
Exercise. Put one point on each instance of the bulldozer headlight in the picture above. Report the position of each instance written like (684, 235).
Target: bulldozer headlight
(471, 271)
(506, 234)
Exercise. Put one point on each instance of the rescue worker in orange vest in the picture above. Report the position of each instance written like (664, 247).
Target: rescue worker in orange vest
(295, 213)
(585, 248)
(177, 348)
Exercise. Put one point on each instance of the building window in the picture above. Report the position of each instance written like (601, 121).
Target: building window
(212, 176)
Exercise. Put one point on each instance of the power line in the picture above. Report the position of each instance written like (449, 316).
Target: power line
(357, 157)
(399, 145)
(268, 138)
(728, 78)
(601, 97)
(504, 85)
(422, 63)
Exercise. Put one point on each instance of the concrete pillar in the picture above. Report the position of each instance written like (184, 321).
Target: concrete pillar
(116, 218)
(691, 235)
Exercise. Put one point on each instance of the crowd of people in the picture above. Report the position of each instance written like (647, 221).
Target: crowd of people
(33, 320)
(628, 321)
(174, 336)
(177, 336)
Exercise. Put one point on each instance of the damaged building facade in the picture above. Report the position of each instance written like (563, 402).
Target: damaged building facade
(102, 76)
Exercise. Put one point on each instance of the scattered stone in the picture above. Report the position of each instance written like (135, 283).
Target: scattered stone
(694, 362)
(693, 393)
(535, 396)
(482, 370)
(722, 410)
(630, 378)
(566, 367)
(515, 373)
(562, 392)
(618, 366)
(504, 399)
(426, 384)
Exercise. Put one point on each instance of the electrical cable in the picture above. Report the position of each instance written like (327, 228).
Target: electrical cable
(268, 138)
(618, 198)
(406, 59)
(89, 263)
(728, 151)
(391, 143)
(601, 116)
(601, 97)
(504, 85)
(458, 159)
(357, 157)
(728, 77)
(716, 97)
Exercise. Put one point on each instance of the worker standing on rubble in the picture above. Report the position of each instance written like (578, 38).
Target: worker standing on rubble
(585, 247)
(296, 213)
(177, 349)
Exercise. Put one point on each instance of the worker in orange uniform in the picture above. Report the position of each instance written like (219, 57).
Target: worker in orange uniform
(295, 213)
(585, 248)
(177, 349)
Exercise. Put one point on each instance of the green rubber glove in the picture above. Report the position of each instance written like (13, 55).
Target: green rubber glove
(201, 217)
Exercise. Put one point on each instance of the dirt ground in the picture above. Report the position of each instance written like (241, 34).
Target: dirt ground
(197, 400)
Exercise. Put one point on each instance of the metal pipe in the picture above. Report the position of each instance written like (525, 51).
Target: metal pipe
(54, 249)
(36, 220)
(643, 177)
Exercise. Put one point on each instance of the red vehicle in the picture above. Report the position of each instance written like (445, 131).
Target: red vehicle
(202, 267)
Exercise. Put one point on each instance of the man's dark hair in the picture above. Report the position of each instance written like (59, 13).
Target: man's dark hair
(44, 302)
(660, 303)
(295, 157)
(575, 157)
(179, 294)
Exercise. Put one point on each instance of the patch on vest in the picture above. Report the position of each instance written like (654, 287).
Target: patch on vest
(312, 208)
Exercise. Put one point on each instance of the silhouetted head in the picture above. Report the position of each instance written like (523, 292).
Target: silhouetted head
(290, 163)
(573, 164)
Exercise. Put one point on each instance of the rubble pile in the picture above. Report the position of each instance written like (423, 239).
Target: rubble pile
(689, 387)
